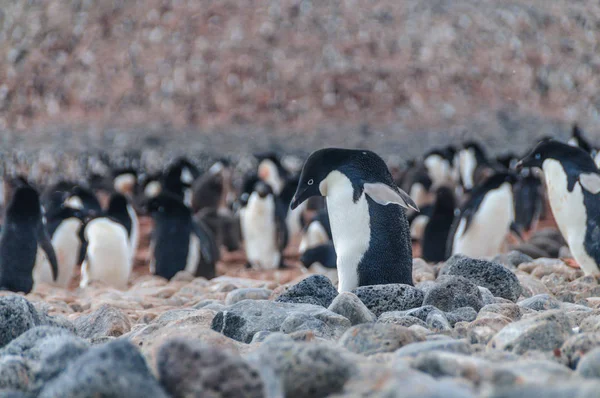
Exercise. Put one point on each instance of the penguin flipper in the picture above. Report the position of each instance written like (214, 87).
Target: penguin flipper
(590, 182)
(517, 231)
(46, 245)
(384, 195)
(208, 247)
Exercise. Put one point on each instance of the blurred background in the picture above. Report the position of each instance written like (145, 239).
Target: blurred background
(223, 76)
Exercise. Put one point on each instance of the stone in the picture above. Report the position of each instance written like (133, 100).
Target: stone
(436, 321)
(509, 310)
(249, 293)
(486, 295)
(245, 318)
(482, 330)
(453, 292)
(392, 297)
(105, 321)
(305, 369)
(545, 332)
(578, 346)
(589, 365)
(463, 314)
(590, 324)
(298, 321)
(577, 389)
(501, 281)
(14, 373)
(447, 345)
(17, 315)
(316, 289)
(540, 302)
(113, 369)
(26, 345)
(512, 259)
(398, 318)
(531, 286)
(348, 305)
(369, 339)
(189, 368)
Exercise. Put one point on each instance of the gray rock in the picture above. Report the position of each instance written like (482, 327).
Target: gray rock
(393, 297)
(512, 311)
(412, 350)
(577, 346)
(453, 292)
(540, 302)
(369, 339)
(303, 322)
(17, 315)
(545, 332)
(249, 293)
(464, 314)
(531, 286)
(538, 370)
(305, 369)
(105, 321)
(348, 305)
(188, 368)
(482, 330)
(245, 318)
(316, 289)
(26, 345)
(398, 318)
(589, 365)
(501, 281)
(590, 324)
(115, 369)
(512, 259)
(14, 373)
(437, 322)
(487, 296)
(575, 389)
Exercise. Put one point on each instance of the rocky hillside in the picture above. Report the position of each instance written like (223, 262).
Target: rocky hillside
(298, 65)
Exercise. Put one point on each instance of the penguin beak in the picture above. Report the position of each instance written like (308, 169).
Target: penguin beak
(298, 198)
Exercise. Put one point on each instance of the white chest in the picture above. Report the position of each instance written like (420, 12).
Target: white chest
(259, 232)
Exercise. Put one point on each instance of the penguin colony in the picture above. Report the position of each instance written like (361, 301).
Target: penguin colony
(343, 208)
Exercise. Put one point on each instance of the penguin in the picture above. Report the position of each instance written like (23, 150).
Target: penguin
(322, 254)
(578, 139)
(151, 185)
(529, 200)
(439, 167)
(178, 242)
(22, 236)
(225, 228)
(125, 181)
(317, 232)
(485, 219)
(271, 171)
(470, 157)
(107, 253)
(121, 210)
(418, 184)
(85, 200)
(212, 188)
(573, 187)
(435, 234)
(262, 221)
(178, 179)
(366, 210)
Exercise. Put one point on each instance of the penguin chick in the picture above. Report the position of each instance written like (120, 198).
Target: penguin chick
(366, 210)
(263, 228)
(573, 187)
(23, 233)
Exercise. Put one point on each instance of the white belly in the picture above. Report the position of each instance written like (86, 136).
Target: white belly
(42, 272)
(292, 220)
(489, 227)
(135, 234)
(193, 257)
(259, 233)
(66, 245)
(569, 212)
(350, 228)
(314, 236)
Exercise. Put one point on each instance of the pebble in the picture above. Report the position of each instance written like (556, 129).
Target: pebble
(249, 293)
(369, 339)
(316, 289)
(447, 345)
(577, 346)
(589, 365)
(453, 292)
(348, 305)
(393, 297)
(540, 302)
(105, 321)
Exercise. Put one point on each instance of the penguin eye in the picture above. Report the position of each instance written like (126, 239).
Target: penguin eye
(310, 182)
(161, 209)
(538, 156)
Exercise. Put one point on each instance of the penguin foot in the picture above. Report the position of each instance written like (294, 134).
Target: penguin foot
(571, 262)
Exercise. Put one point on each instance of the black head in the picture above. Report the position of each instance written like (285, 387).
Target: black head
(166, 204)
(360, 166)
(117, 204)
(563, 153)
(444, 200)
(25, 203)
(262, 189)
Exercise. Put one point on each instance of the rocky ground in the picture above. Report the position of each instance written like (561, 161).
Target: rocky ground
(512, 327)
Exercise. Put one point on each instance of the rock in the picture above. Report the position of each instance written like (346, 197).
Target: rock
(545, 332)
(486, 295)
(531, 286)
(392, 297)
(589, 365)
(541, 371)
(590, 324)
(422, 271)
(14, 373)
(113, 369)
(494, 276)
(453, 292)
(297, 322)
(512, 259)
(369, 339)
(540, 302)
(482, 330)
(316, 289)
(249, 293)
(17, 315)
(578, 346)
(189, 368)
(535, 389)
(449, 345)
(305, 369)
(55, 353)
(349, 306)
(511, 311)
(398, 318)
(26, 345)
(463, 314)
(242, 320)
(105, 321)
(437, 322)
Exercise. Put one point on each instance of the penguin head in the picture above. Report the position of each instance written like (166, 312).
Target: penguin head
(564, 153)
(364, 169)
(165, 204)
(262, 189)
(117, 204)
(25, 204)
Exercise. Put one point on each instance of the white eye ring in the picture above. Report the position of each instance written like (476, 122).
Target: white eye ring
(310, 182)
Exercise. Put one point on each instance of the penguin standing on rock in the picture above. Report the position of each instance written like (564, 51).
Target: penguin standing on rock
(23, 233)
(573, 186)
(485, 219)
(368, 224)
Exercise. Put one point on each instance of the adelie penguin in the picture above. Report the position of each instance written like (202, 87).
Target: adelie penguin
(573, 186)
(121, 210)
(178, 242)
(23, 233)
(366, 211)
(486, 218)
(438, 226)
(262, 221)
